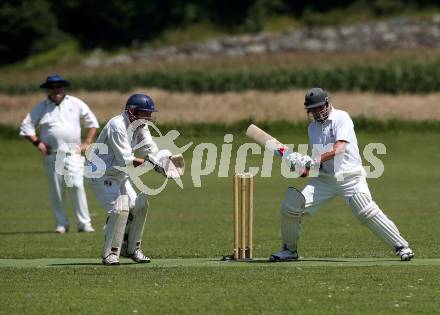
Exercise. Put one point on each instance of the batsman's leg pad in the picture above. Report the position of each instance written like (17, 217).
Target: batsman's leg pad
(294, 202)
(137, 224)
(114, 229)
(363, 207)
(369, 214)
(292, 209)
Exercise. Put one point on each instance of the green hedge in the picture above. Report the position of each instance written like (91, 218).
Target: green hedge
(396, 77)
(276, 127)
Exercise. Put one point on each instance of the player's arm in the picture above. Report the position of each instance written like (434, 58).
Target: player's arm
(125, 156)
(120, 144)
(164, 162)
(90, 124)
(343, 130)
(90, 136)
(338, 148)
(41, 146)
(28, 129)
(138, 162)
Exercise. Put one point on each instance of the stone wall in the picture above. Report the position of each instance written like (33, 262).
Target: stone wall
(397, 33)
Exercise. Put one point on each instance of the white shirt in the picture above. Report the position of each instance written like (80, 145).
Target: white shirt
(59, 124)
(322, 137)
(115, 136)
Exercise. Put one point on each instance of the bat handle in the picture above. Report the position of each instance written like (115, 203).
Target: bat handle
(282, 152)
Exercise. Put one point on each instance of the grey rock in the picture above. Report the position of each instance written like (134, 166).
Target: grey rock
(397, 33)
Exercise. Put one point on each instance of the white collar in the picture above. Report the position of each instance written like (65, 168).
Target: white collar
(332, 114)
(50, 102)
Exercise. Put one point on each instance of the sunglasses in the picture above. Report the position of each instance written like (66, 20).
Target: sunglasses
(55, 86)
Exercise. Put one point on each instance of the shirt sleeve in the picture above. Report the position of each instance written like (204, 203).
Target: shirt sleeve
(121, 147)
(87, 116)
(30, 122)
(344, 129)
(146, 143)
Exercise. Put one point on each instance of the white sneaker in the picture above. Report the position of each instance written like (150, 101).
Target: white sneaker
(284, 255)
(61, 229)
(139, 257)
(86, 228)
(111, 260)
(405, 253)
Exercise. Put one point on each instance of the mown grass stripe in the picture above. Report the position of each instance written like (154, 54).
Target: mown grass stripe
(215, 262)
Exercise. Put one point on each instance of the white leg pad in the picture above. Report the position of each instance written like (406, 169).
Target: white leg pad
(292, 209)
(136, 226)
(363, 207)
(369, 214)
(383, 227)
(114, 229)
(290, 230)
(294, 202)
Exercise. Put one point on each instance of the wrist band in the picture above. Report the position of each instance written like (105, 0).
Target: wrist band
(36, 142)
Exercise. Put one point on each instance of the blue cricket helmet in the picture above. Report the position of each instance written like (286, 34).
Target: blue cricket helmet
(141, 102)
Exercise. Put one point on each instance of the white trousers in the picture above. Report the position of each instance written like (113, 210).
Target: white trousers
(321, 189)
(57, 189)
(108, 188)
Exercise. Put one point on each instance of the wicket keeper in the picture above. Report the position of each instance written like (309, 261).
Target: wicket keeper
(127, 209)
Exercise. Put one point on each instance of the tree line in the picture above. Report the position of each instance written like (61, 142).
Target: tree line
(32, 26)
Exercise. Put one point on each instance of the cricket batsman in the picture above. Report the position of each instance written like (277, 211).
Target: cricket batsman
(338, 166)
(126, 209)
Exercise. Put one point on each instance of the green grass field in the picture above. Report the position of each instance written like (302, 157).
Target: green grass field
(345, 270)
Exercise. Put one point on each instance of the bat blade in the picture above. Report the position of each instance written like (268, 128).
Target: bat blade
(263, 138)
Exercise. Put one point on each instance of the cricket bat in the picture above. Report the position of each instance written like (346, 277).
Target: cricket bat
(266, 140)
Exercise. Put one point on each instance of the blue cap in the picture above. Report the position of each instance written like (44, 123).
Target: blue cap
(53, 79)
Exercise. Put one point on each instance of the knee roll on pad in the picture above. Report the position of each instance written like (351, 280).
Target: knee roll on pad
(363, 207)
(114, 229)
(293, 203)
(122, 204)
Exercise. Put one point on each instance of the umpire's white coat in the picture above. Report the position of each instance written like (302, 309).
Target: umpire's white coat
(60, 124)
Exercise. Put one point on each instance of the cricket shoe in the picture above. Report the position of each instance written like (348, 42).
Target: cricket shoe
(139, 257)
(284, 255)
(111, 260)
(405, 253)
(61, 229)
(86, 228)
